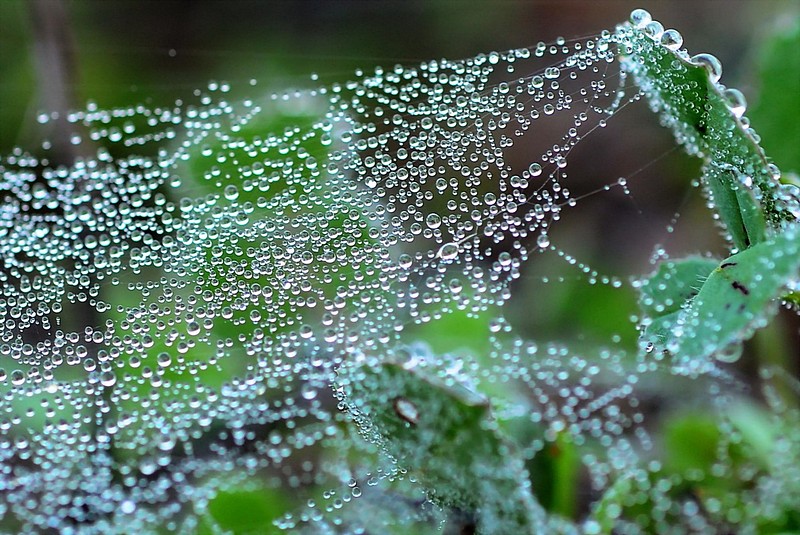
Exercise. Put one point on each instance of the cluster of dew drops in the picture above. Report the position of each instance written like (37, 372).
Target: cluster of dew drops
(183, 308)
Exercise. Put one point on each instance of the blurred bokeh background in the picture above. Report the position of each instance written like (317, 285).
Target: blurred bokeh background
(128, 51)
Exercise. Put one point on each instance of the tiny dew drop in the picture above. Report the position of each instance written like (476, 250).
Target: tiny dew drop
(640, 18)
(448, 251)
(164, 359)
(127, 507)
(108, 379)
(433, 221)
(654, 30)
(308, 392)
(592, 527)
(735, 101)
(455, 286)
(17, 377)
(231, 192)
(543, 240)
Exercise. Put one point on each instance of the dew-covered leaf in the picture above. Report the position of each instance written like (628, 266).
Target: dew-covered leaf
(444, 434)
(708, 120)
(664, 294)
(736, 299)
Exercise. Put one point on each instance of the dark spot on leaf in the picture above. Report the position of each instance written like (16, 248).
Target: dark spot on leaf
(727, 265)
(740, 287)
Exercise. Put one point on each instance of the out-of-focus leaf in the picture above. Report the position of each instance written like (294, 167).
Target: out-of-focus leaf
(691, 445)
(244, 511)
(443, 433)
(777, 112)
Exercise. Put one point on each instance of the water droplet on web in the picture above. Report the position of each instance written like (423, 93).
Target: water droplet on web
(433, 221)
(730, 354)
(17, 377)
(448, 251)
(309, 392)
(231, 192)
(108, 379)
(164, 360)
(543, 240)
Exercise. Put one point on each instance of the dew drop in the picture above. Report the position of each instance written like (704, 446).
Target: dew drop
(231, 192)
(640, 18)
(654, 30)
(543, 240)
(730, 354)
(735, 101)
(448, 251)
(672, 39)
(433, 221)
(710, 63)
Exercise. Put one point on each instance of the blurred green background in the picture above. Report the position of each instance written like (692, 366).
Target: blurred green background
(56, 55)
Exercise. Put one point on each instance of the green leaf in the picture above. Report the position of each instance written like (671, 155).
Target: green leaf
(245, 511)
(706, 118)
(566, 465)
(443, 433)
(757, 429)
(736, 299)
(691, 444)
(663, 295)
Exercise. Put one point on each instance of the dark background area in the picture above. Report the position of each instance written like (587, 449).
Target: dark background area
(127, 51)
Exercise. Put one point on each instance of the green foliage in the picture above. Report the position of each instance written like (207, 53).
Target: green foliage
(707, 119)
(711, 315)
(779, 94)
(243, 512)
(443, 432)
(664, 295)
